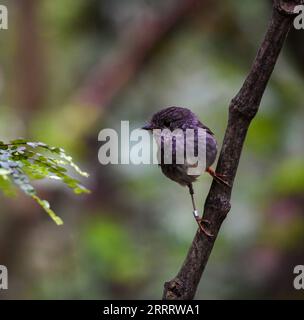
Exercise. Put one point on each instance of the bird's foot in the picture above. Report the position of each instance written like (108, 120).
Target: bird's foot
(220, 178)
(203, 227)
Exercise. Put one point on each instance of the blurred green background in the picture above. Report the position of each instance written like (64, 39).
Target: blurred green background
(69, 68)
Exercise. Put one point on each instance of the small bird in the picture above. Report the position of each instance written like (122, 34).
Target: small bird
(173, 118)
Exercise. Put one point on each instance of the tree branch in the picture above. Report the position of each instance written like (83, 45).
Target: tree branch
(242, 110)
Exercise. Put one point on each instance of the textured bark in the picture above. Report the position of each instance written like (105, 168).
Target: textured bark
(242, 110)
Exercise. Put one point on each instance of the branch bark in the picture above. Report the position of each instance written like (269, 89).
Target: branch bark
(242, 110)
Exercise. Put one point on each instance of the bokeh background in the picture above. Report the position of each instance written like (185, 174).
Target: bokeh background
(69, 68)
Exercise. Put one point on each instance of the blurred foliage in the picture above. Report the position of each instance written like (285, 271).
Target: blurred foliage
(22, 161)
(289, 177)
(114, 251)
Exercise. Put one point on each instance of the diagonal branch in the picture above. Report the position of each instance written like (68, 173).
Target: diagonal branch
(242, 110)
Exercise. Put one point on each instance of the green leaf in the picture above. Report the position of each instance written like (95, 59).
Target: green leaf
(18, 141)
(72, 164)
(6, 186)
(22, 181)
(35, 171)
(81, 189)
(22, 161)
(4, 172)
(3, 146)
(46, 206)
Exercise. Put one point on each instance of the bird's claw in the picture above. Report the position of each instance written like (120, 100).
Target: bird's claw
(219, 178)
(203, 227)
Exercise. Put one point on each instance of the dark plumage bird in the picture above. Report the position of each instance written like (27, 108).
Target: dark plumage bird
(173, 118)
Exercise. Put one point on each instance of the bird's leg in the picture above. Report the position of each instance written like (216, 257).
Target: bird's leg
(217, 177)
(201, 222)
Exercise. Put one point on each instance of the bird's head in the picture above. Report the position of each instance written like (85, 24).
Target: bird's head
(171, 118)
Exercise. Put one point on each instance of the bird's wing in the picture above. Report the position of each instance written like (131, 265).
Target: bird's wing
(201, 125)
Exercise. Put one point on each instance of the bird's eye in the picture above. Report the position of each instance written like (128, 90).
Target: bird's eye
(167, 123)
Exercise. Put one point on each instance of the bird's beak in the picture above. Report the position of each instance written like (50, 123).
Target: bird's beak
(147, 126)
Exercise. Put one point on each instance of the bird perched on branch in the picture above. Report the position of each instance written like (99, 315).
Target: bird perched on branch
(180, 120)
